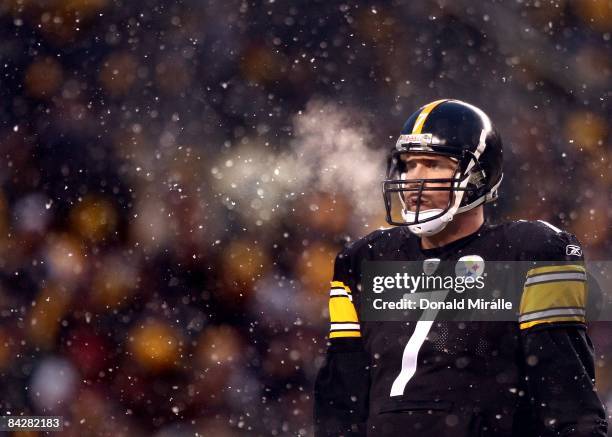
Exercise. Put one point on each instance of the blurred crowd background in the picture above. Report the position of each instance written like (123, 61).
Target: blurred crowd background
(177, 177)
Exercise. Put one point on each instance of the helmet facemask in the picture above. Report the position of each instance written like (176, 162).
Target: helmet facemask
(467, 179)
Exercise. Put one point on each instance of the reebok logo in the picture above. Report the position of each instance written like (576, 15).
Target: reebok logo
(572, 249)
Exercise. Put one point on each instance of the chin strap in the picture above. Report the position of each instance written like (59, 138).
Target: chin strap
(490, 196)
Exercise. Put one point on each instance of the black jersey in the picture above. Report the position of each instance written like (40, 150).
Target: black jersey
(533, 376)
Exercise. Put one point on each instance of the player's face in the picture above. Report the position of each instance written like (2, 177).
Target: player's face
(424, 166)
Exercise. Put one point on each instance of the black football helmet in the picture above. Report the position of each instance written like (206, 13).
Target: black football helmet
(461, 132)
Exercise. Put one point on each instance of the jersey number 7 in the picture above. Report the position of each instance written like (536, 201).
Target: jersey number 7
(418, 337)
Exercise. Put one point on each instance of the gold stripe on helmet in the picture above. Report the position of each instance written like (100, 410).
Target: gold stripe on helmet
(420, 120)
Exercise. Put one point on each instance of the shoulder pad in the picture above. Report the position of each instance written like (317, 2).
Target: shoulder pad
(376, 237)
(543, 241)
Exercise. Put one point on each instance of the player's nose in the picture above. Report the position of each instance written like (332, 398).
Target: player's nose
(417, 172)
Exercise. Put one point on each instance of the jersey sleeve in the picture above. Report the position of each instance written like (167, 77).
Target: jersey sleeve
(558, 356)
(344, 322)
(342, 384)
(560, 380)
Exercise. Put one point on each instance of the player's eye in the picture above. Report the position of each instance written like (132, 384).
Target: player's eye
(430, 163)
(435, 164)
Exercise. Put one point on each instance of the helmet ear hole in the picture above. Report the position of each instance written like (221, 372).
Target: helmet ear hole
(477, 178)
(473, 170)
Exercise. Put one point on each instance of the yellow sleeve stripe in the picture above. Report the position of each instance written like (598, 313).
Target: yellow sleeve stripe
(575, 268)
(554, 294)
(557, 294)
(340, 284)
(337, 292)
(342, 314)
(552, 313)
(577, 319)
(338, 334)
(341, 309)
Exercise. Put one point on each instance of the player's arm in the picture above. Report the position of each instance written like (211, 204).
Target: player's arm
(342, 384)
(558, 354)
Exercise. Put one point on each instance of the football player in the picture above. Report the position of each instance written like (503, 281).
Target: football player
(530, 377)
